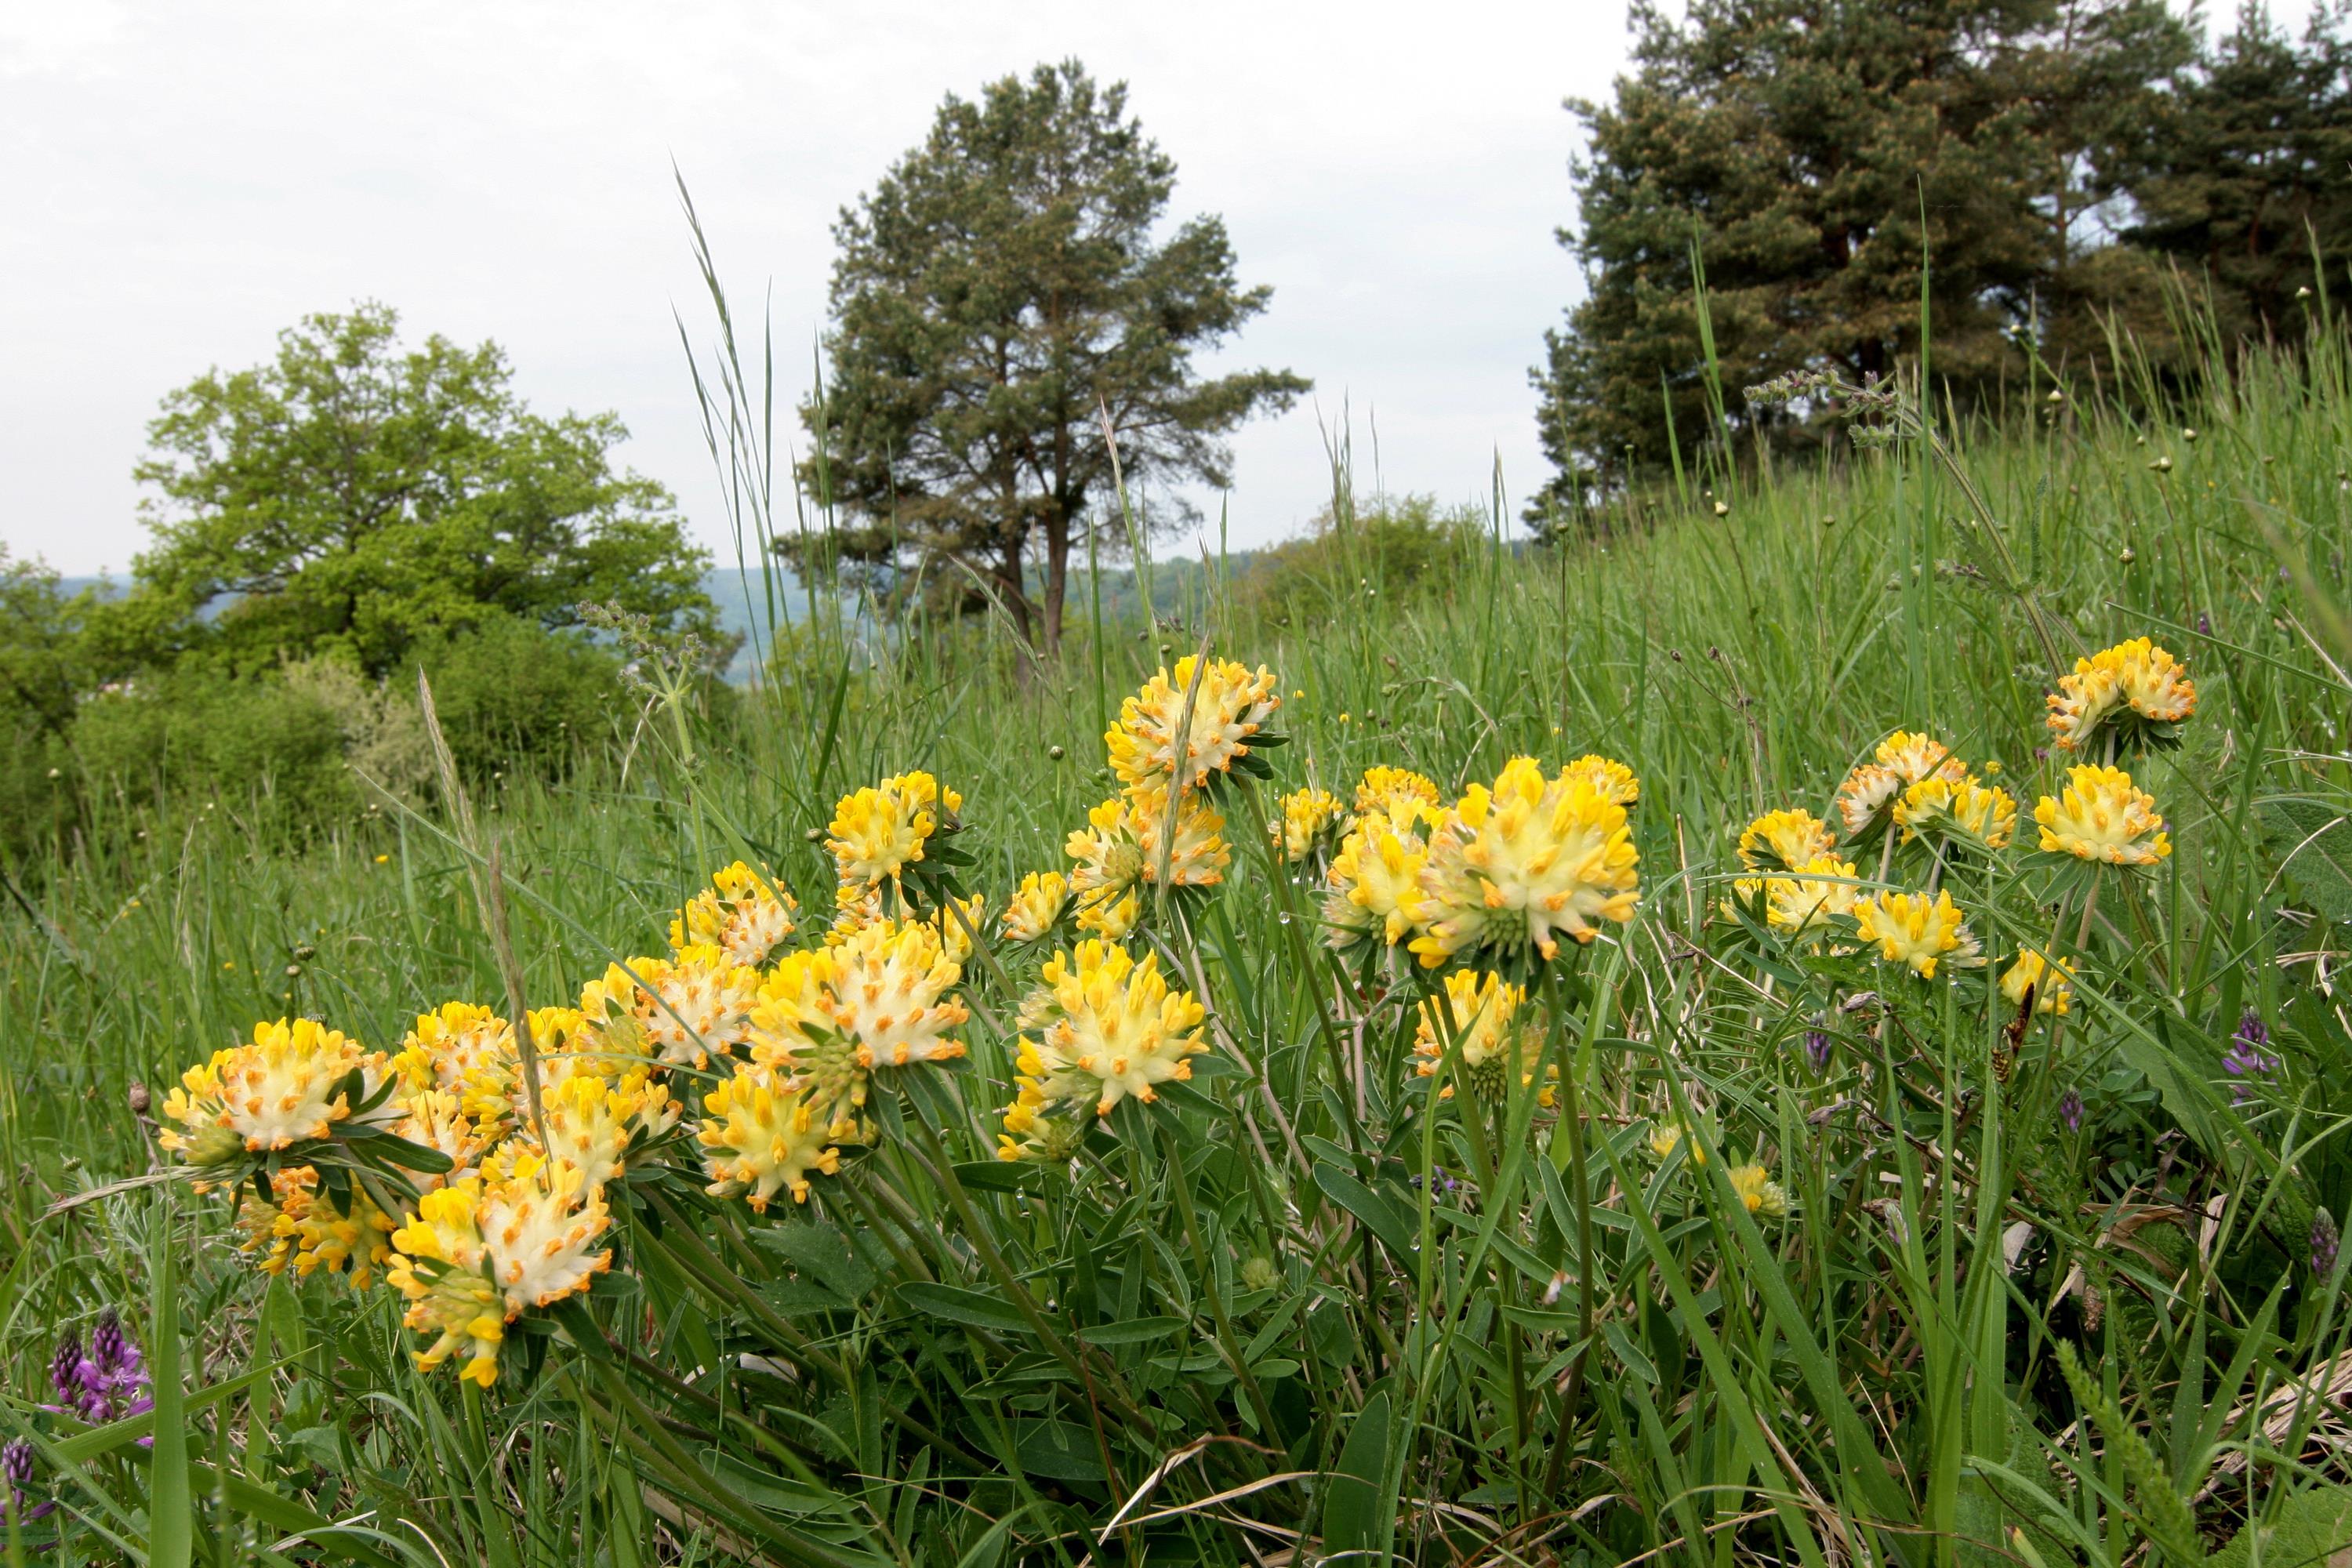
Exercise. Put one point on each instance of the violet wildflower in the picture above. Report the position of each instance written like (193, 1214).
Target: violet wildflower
(17, 1464)
(2246, 1059)
(2324, 1241)
(2070, 1110)
(107, 1383)
(65, 1368)
(1817, 1049)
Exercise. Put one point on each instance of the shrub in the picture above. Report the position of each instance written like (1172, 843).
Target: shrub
(512, 696)
(1397, 550)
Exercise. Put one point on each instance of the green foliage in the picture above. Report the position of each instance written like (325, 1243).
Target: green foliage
(999, 294)
(1834, 173)
(1303, 1302)
(1381, 556)
(2244, 173)
(352, 496)
(271, 743)
(511, 697)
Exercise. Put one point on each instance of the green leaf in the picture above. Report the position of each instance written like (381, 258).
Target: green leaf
(1381, 1214)
(970, 1307)
(1352, 1501)
(823, 1254)
(2314, 842)
(1061, 1449)
(1133, 1331)
(171, 1513)
(996, 1175)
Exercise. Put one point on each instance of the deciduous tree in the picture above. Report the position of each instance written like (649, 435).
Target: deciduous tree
(352, 495)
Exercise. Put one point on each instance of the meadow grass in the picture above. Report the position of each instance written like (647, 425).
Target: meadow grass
(1251, 1327)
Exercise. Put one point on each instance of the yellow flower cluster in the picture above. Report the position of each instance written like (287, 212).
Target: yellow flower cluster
(744, 913)
(1103, 1026)
(1903, 759)
(2101, 815)
(1921, 932)
(2050, 985)
(1784, 840)
(1185, 725)
(1182, 731)
(2135, 689)
(475, 1256)
(1522, 862)
(1482, 1019)
(1035, 906)
(1511, 865)
(1306, 815)
(795, 1038)
(876, 833)
(1962, 811)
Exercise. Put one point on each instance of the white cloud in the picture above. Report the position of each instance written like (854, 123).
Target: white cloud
(184, 180)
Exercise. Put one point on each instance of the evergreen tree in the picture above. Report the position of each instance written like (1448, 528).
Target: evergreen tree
(1810, 156)
(2248, 170)
(998, 293)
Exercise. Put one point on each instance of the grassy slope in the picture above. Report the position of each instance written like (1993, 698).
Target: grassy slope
(1736, 662)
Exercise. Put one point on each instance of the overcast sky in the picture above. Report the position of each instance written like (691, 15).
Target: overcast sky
(181, 181)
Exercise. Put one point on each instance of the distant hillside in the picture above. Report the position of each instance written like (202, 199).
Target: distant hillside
(750, 603)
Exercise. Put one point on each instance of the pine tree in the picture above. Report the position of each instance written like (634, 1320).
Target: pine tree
(998, 295)
(2248, 170)
(1809, 156)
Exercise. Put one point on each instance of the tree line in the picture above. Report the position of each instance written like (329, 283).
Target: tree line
(2023, 176)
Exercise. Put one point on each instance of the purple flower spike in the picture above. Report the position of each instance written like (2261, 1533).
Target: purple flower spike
(2070, 1110)
(108, 1347)
(65, 1367)
(2323, 1243)
(1817, 1049)
(17, 1465)
(2246, 1060)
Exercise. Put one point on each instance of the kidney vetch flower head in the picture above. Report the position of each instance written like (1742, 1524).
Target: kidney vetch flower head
(2135, 689)
(465, 1050)
(1903, 759)
(694, 1005)
(1480, 1017)
(1606, 774)
(1525, 861)
(290, 1084)
(1915, 930)
(1382, 785)
(1036, 1130)
(1375, 876)
(1305, 814)
(592, 1121)
(745, 913)
(1937, 807)
(296, 1225)
(879, 832)
(1758, 1192)
(1152, 748)
(763, 1136)
(1107, 1025)
(478, 1253)
(1034, 906)
(2050, 985)
(1806, 898)
(1183, 849)
(2101, 815)
(1784, 840)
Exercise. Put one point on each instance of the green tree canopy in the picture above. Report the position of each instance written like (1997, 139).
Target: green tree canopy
(1003, 283)
(2247, 172)
(352, 495)
(1813, 155)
